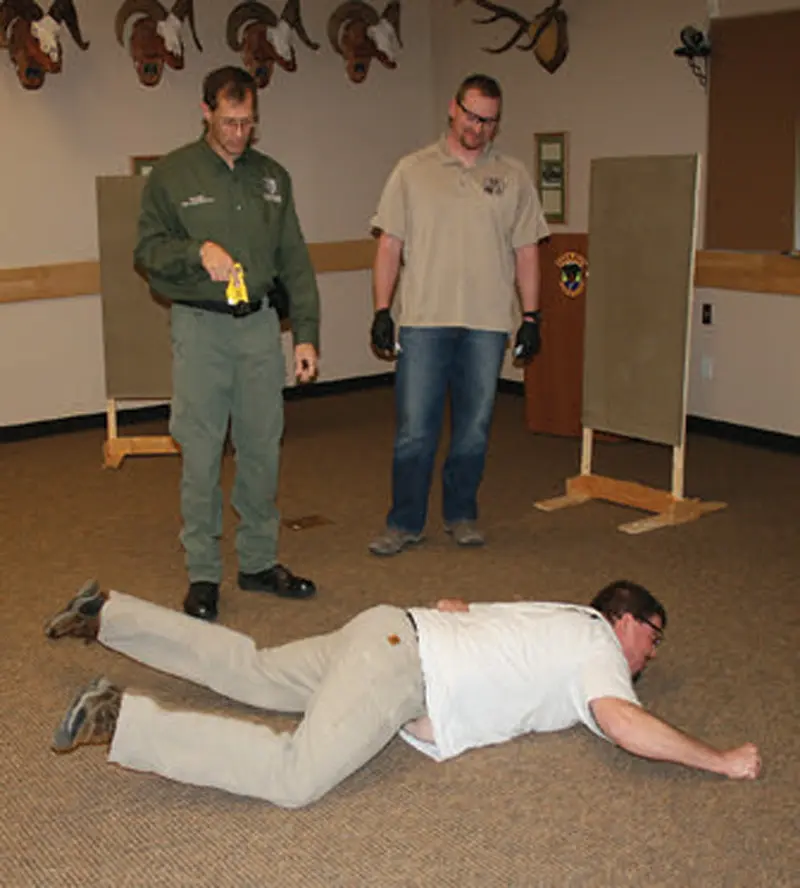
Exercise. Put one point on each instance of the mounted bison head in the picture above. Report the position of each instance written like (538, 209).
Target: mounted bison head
(263, 39)
(32, 37)
(155, 38)
(359, 34)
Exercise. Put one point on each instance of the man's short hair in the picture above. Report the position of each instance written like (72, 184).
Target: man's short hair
(624, 597)
(485, 85)
(231, 83)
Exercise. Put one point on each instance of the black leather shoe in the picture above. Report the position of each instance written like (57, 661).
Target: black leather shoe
(201, 600)
(278, 580)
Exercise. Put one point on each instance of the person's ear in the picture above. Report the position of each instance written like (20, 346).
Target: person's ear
(622, 624)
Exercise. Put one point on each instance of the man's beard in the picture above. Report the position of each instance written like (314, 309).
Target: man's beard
(472, 141)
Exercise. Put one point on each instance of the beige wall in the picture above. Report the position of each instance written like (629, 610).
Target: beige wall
(621, 92)
(51, 359)
(338, 140)
(745, 367)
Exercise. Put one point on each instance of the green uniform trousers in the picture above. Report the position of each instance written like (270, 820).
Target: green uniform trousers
(227, 369)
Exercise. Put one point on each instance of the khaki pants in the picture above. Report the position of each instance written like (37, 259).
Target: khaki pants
(357, 687)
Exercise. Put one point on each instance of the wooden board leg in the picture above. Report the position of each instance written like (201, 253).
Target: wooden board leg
(574, 496)
(679, 513)
(561, 502)
(112, 459)
(116, 449)
(668, 510)
(113, 454)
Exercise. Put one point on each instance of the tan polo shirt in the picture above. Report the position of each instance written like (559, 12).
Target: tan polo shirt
(460, 227)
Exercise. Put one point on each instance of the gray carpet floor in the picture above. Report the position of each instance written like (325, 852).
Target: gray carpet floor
(550, 810)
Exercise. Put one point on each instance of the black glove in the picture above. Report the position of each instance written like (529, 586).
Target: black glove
(529, 337)
(382, 332)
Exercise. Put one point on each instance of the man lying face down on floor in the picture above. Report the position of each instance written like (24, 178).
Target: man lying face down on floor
(448, 679)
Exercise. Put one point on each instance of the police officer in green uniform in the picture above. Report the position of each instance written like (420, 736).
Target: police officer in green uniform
(217, 229)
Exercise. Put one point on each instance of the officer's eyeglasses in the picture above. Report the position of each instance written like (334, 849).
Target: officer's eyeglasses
(658, 632)
(477, 119)
(238, 123)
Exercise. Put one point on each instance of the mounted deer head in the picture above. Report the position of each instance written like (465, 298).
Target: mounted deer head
(546, 33)
(32, 37)
(359, 34)
(263, 39)
(155, 38)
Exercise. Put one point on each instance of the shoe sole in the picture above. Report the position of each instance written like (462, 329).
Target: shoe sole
(209, 616)
(408, 544)
(261, 590)
(473, 542)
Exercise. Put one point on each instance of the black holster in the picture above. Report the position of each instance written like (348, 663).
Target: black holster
(278, 298)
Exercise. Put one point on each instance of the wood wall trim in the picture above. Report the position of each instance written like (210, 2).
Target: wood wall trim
(716, 269)
(751, 272)
(49, 281)
(69, 279)
(352, 255)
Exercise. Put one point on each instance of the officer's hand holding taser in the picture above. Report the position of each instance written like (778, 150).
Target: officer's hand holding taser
(382, 333)
(529, 337)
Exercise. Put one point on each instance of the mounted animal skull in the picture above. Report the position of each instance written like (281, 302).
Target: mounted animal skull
(263, 39)
(546, 32)
(358, 34)
(32, 37)
(155, 38)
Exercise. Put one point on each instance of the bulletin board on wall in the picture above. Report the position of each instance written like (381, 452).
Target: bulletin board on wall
(753, 121)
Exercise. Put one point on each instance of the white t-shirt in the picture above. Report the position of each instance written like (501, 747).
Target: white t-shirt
(502, 670)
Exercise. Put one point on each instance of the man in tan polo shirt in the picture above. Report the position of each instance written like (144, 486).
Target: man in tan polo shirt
(459, 225)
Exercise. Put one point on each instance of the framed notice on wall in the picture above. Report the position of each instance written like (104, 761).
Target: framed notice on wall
(551, 174)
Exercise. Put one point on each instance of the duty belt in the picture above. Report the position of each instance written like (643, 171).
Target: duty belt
(240, 310)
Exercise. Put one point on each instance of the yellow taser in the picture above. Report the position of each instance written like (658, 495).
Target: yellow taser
(236, 291)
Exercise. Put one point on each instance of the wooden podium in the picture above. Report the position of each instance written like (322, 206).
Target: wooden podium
(554, 379)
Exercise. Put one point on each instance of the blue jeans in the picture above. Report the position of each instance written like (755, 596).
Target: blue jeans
(434, 360)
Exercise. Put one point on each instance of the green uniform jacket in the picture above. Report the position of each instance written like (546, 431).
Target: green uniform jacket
(192, 196)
